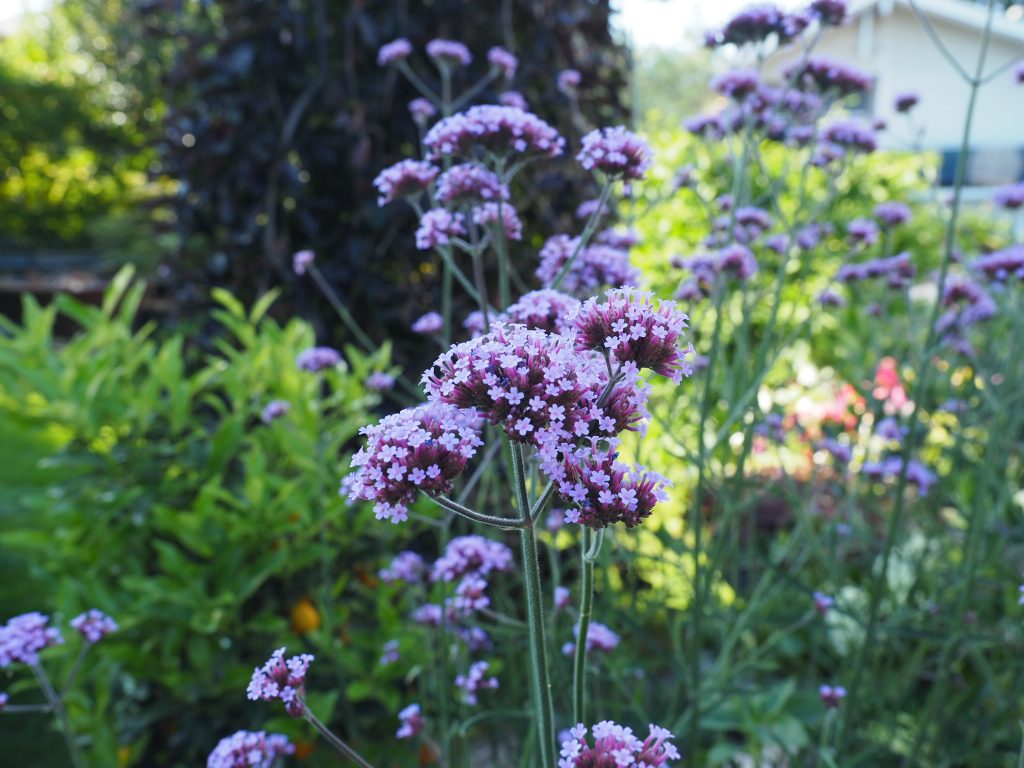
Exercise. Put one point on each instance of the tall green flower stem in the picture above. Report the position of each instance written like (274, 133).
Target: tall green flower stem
(336, 742)
(544, 709)
(917, 395)
(588, 232)
(57, 707)
(590, 547)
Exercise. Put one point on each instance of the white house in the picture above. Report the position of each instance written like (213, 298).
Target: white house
(890, 39)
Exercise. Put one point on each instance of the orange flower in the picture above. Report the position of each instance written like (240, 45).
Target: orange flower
(305, 617)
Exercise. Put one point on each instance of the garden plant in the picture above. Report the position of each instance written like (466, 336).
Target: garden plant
(729, 475)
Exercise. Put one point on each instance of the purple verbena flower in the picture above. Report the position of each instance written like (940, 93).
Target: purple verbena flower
(904, 102)
(1001, 265)
(469, 182)
(449, 52)
(829, 12)
(301, 261)
(594, 266)
(829, 298)
(615, 152)
(317, 359)
(378, 381)
(3, 701)
(547, 310)
(616, 747)
(862, 231)
(513, 99)
(24, 636)
(283, 679)
(274, 410)
(411, 722)
(588, 208)
(93, 625)
(630, 327)
(1011, 198)
(532, 383)
(832, 696)
(753, 25)
(828, 75)
(822, 603)
(501, 130)
(474, 681)
(503, 61)
(428, 615)
(568, 81)
(389, 653)
(892, 213)
(737, 84)
(706, 126)
(476, 639)
(851, 135)
(393, 52)
(406, 178)
(422, 110)
(470, 596)
(249, 749)
(562, 598)
(437, 227)
(623, 239)
(489, 214)
(419, 449)
(889, 429)
(600, 490)
(429, 323)
(406, 566)
(471, 555)
(840, 452)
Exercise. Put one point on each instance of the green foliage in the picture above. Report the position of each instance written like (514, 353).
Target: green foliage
(166, 502)
(72, 157)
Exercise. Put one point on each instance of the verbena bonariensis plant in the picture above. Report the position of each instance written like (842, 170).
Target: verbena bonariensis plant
(554, 381)
(22, 640)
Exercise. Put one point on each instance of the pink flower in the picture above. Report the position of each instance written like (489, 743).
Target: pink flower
(501, 130)
(407, 178)
(437, 227)
(283, 679)
(489, 214)
(616, 747)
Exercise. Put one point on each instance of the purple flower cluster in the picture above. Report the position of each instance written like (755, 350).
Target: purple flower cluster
(623, 239)
(600, 490)
(411, 722)
(905, 102)
(893, 213)
(513, 99)
(406, 566)
(489, 214)
(503, 61)
(832, 696)
(967, 304)
(546, 310)
(898, 271)
(615, 152)
(437, 227)
(737, 84)
(429, 323)
(531, 382)
(562, 598)
(422, 110)
(500, 130)
(615, 746)
(317, 359)
(599, 638)
(449, 52)
(735, 261)
(756, 25)
(469, 182)
(274, 410)
(595, 266)
(471, 556)
(1011, 198)
(418, 449)
(389, 653)
(822, 603)
(24, 636)
(406, 178)
(631, 328)
(301, 261)
(831, 76)
(474, 681)
(93, 625)
(378, 381)
(283, 679)
(889, 469)
(249, 749)
(829, 12)
(393, 52)
(998, 266)
(568, 81)
(854, 135)
(862, 232)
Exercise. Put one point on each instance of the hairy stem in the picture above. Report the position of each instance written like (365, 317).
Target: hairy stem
(336, 742)
(57, 707)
